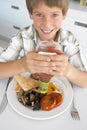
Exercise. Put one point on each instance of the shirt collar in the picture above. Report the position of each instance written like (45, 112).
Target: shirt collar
(36, 38)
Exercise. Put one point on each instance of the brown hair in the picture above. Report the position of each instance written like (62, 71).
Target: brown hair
(63, 4)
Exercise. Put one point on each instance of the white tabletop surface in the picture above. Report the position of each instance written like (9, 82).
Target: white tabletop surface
(10, 120)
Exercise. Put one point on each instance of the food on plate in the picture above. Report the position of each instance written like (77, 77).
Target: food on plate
(17, 87)
(51, 101)
(41, 76)
(28, 94)
(60, 84)
(45, 87)
(30, 99)
(26, 83)
(52, 88)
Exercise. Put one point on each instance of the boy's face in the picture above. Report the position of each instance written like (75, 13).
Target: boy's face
(47, 21)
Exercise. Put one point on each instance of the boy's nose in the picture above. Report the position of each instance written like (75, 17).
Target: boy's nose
(47, 21)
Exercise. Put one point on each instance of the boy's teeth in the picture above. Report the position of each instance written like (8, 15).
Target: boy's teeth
(46, 31)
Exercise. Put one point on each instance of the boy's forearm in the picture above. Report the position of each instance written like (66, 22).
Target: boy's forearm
(77, 76)
(9, 69)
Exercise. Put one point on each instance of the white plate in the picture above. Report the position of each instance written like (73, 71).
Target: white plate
(41, 115)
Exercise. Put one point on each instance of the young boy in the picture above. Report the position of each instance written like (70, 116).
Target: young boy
(47, 16)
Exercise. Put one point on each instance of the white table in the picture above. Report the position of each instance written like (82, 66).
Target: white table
(10, 120)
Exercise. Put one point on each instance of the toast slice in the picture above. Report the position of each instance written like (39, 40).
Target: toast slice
(17, 87)
(26, 83)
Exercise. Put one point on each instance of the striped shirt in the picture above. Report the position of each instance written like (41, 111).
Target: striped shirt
(27, 39)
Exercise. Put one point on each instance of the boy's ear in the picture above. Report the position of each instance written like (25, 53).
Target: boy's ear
(30, 16)
(64, 16)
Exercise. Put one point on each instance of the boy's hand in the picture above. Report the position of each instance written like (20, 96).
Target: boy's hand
(62, 65)
(37, 63)
(53, 64)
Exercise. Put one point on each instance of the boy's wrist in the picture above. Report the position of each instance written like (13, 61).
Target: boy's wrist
(69, 71)
(23, 65)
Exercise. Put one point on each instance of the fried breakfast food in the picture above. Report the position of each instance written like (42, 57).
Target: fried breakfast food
(26, 83)
(41, 76)
(28, 94)
(17, 87)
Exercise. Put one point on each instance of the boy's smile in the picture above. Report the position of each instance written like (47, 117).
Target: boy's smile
(47, 20)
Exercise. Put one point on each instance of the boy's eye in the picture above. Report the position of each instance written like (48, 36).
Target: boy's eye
(55, 15)
(39, 15)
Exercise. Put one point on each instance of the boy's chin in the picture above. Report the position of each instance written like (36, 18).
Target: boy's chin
(47, 38)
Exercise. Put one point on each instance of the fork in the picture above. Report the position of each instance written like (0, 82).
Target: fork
(74, 112)
(4, 100)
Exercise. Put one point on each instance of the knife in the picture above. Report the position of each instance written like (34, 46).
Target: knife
(4, 100)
